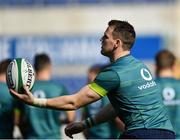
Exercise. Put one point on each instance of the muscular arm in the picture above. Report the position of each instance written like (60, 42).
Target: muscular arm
(69, 102)
(105, 114)
(71, 116)
(75, 101)
(120, 125)
(108, 113)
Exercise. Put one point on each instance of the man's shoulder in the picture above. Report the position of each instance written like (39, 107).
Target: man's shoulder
(167, 79)
(132, 65)
(168, 82)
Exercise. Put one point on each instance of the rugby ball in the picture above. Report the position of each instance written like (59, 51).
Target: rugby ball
(20, 72)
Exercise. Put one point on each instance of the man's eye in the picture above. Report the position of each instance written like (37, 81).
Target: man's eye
(105, 37)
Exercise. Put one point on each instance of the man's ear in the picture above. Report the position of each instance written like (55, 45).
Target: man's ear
(118, 43)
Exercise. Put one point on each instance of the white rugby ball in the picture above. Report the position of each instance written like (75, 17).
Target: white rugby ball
(20, 72)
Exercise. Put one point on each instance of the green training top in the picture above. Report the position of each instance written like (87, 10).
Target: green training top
(7, 105)
(133, 93)
(44, 123)
(170, 91)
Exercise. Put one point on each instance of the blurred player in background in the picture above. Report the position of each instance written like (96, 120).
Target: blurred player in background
(108, 130)
(7, 104)
(170, 87)
(43, 123)
(129, 85)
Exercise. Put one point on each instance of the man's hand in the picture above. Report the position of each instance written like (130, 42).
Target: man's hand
(26, 97)
(74, 128)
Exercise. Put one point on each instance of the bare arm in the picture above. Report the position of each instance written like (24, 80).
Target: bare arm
(120, 125)
(105, 114)
(75, 101)
(69, 102)
(71, 116)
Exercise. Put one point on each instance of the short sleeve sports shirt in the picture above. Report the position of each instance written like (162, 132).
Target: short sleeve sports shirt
(133, 93)
(170, 91)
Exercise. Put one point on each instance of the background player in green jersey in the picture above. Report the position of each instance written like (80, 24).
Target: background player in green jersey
(7, 104)
(170, 87)
(127, 82)
(108, 130)
(42, 123)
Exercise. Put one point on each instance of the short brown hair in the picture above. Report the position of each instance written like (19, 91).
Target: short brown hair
(3, 65)
(124, 31)
(41, 61)
(164, 59)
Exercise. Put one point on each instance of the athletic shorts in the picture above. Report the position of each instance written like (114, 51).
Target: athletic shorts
(148, 134)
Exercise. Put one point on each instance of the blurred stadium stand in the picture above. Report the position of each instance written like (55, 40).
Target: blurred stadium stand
(70, 2)
(71, 52)
(73, 83)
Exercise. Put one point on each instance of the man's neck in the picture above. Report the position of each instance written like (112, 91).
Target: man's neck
(166, 73)
(2, 78)
(43, 76)
(119, 55)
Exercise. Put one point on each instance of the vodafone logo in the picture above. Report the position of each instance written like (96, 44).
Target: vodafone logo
(146, 74)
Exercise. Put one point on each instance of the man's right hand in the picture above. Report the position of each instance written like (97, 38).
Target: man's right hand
(26, 97)
(74, 128)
